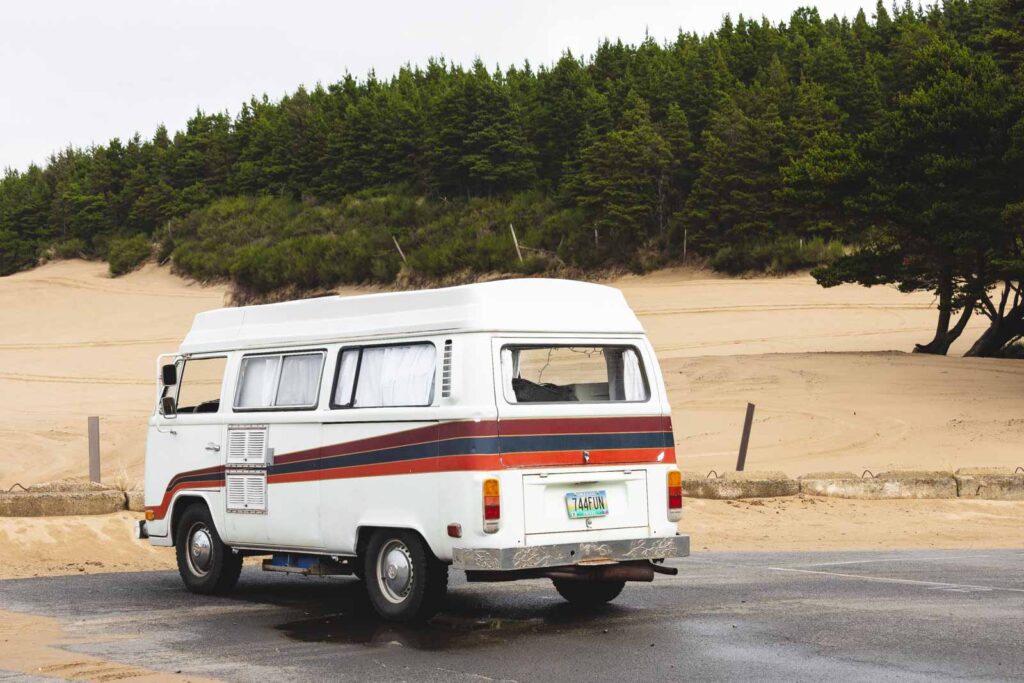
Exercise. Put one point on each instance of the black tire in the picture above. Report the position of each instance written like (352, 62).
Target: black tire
(588, 593)
(206, 565)
(404, 581)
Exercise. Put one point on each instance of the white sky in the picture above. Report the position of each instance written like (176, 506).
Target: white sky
(81, 72)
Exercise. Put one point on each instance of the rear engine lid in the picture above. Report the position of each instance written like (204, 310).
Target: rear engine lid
(585, 501)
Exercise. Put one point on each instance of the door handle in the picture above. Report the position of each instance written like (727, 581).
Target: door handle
(213, 447)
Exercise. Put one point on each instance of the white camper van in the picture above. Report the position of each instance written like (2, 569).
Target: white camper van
(512, 429)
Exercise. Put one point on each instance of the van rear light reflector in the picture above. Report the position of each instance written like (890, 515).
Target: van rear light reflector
(492, 505)
(675, 495)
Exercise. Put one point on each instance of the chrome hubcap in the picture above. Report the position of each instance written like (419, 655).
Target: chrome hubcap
(200, 549)
(394, 571)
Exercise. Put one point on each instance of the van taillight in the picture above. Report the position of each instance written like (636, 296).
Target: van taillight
(492, 505)
(675, 495)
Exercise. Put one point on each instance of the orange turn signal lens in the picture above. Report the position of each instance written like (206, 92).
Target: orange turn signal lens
(150, 515)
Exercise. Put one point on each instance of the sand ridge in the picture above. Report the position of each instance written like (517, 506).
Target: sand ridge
(77, 343)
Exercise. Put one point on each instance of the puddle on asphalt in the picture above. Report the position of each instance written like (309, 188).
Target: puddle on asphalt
(448, 630)
(443, 632)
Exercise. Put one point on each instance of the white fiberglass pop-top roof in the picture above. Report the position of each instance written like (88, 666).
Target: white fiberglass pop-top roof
(516, 306)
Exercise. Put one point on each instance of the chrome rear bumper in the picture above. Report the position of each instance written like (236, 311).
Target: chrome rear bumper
(568, 554)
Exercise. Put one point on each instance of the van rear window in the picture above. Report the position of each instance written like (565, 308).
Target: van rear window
(563, 374)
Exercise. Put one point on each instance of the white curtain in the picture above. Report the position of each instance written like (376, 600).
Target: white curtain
(632, 377)
(258, 382)
(396, 376)
(509, 370)
(300, 376)
(613, 361)
(625, 379)
(346, 377)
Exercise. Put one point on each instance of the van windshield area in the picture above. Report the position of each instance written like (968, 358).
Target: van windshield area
(562, 374)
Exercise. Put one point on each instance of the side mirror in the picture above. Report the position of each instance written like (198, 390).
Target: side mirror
(169, 375)
(168, 406)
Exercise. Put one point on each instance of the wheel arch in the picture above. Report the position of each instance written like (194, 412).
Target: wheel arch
(183, 502)
(365, 531)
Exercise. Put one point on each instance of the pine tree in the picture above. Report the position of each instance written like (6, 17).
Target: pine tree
(623, 181)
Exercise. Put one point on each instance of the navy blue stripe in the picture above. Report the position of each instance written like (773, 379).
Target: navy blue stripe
(480, 445)
(580, 442)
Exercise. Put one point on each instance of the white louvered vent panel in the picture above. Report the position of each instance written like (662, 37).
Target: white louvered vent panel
(246, 492)
(236, 445)
(235, 486)
(247, 446)
(256, 492)
(446, 370)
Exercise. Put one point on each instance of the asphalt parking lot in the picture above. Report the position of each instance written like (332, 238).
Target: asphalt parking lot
(920, 615)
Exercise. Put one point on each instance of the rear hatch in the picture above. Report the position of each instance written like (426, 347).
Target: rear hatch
(590, 500)
(581, 417)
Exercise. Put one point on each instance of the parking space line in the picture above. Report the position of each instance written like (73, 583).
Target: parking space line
(944, 558)
(883, 579)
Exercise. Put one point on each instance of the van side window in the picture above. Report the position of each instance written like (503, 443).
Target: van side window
(279, 381)
(398, 375)
(199, 385)
(563, 374)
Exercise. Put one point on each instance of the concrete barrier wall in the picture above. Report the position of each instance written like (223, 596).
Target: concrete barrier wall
(60, 503)
(133, 500)
(887, 485)
(979, 482)
(990, 483)
(733, 485)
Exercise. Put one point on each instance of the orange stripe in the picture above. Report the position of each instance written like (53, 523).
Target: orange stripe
(161, 510)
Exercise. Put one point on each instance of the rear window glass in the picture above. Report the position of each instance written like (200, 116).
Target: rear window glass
(565, 374)
(400, 375)
(279, 381)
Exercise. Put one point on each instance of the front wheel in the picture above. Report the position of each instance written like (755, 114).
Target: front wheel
(404, 580)
(588, 593)
(206, 565)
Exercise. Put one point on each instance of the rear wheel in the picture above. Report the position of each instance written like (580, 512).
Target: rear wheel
(206, 565)
(404, 580)
(586, 593)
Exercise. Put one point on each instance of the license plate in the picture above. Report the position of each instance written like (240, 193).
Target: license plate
(586, 504)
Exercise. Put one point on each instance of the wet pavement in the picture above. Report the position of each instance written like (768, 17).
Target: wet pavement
(920, 615)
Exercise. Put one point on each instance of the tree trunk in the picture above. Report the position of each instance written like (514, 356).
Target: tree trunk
(944, 337)
(1002, 331)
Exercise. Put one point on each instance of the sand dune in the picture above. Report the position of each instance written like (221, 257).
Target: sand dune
(75, 343)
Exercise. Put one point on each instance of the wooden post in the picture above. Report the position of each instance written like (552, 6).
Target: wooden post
(745, 441)
(94, 449)
(515, 241)
(399, 248)
(686, 233)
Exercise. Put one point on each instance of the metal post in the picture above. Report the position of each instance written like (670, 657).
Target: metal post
(399, 248)
(745, 441)
(686, 233)
(515, 241)
(94, 449)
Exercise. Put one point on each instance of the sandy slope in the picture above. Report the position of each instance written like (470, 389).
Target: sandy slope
(76, 343)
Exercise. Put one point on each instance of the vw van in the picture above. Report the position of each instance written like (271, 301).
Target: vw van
(511, 429)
